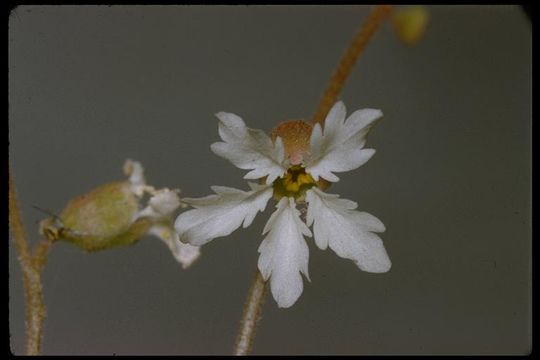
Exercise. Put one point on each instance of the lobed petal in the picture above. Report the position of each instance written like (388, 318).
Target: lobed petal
(249, 149)
(185, 254)
(161, 205)
(220, 214)
(284, 253)
(135, 171)
(348, 232)
(340, 147)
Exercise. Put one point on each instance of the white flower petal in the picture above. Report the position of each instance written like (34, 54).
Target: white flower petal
(135, 171)
(347, 231)
(334, 119)
(165, 201)
(220, 214)
(249, 149)
(284, 253)
(185, 254)
(340, 147)
(161, 205)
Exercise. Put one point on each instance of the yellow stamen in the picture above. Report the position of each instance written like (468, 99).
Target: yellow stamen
(304, 179)
(294, 183)
(292, 186)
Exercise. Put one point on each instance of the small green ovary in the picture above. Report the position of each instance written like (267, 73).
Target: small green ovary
(294, 183)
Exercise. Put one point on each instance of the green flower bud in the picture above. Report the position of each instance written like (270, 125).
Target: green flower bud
(410, 24)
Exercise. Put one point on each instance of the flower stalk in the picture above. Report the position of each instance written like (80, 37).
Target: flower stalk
(366, 31)
(31, 266)
(251, 316)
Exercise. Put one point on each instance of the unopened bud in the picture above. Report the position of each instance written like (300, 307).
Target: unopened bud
(410, 23)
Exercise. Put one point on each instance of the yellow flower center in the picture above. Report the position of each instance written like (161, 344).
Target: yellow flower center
(295, 135)
(294, 183)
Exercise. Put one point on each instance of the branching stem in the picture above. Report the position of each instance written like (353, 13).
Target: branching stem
(31, 266)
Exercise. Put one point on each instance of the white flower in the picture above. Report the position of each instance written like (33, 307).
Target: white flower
(297, 166)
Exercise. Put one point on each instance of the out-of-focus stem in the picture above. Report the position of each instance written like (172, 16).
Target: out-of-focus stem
(250, 316)
(31, 266)
(358, 44)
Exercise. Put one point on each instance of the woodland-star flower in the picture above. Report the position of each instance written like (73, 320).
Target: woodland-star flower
(294, 169)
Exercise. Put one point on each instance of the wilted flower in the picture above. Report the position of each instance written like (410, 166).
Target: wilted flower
(298, 165)
(111, 216)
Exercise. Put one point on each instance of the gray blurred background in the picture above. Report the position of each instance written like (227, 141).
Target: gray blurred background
(90, 86)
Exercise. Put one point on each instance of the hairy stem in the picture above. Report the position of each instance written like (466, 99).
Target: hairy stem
(349, 58)
(251, 316)
(31, 266)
